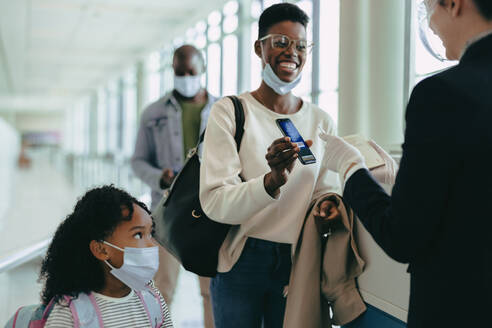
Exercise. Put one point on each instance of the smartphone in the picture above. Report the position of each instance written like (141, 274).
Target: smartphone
(289, 130)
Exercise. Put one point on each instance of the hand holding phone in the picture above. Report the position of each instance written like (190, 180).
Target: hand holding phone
(281, 157)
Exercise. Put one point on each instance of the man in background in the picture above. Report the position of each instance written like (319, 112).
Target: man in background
(169, 128)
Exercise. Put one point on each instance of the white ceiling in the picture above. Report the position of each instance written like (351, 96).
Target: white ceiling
(53, 51)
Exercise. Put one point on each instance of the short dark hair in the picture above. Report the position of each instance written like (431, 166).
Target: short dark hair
(485, 8)
(69, 267)
(187, 50)
(279, 13)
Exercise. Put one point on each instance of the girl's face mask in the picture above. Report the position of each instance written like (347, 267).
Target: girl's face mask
(139, 266)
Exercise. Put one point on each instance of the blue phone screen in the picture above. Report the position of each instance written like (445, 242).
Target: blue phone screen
(290, 130)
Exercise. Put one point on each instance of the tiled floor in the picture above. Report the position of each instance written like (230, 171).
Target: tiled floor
(42, 198)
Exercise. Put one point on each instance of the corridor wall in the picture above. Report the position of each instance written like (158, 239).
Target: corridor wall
(9, 148)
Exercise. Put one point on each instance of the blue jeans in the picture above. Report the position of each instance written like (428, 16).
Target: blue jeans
(251, 294)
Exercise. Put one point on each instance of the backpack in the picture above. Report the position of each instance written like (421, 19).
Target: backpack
(85, 312)
(181, 226)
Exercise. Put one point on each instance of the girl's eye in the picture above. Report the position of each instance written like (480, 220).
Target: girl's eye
(138, 235)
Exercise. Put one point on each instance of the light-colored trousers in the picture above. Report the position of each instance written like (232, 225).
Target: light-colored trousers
(166, 280)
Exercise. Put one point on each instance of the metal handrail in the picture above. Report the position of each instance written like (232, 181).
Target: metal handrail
(24, 256)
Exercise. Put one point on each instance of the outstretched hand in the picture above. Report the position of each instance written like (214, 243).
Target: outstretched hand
(387, 173)
(340, 156)
(281, 157)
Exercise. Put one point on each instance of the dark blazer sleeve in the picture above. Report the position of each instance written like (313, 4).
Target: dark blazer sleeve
(406, 223)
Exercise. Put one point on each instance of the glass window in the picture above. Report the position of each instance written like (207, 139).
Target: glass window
(153, 77)
(231, 8)
(214, 18)
(129, 112)
(102, 116)
(329, 57)
(190, 35)
(81, 127)
(425, 63)
(268, 3)
(201, 27)
(307, 6)
(178, 42)
(213, 69)
(214, 33)
(77, 133)
(328, 101)
(255, 70)
(167, 73)
(86, 111)
(230, 24)
(304, 87)
(231, 20)
(168, 79)
(200, 40)
(214, 29)
(112, 118)
(68, 135)
(256, 9)
(329, 44)
(229, 76)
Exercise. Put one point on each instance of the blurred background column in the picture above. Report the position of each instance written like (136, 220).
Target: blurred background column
(372, 70)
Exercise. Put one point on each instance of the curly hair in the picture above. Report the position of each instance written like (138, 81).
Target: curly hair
(69, 267)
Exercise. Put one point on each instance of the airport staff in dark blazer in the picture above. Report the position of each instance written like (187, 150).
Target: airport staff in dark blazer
(439, 218)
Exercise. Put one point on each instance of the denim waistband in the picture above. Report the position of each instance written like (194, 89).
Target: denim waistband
(266, 244)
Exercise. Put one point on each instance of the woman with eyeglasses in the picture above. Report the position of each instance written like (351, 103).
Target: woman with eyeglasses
(263, 190)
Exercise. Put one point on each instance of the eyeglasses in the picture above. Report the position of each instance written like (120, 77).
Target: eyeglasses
(280, 41)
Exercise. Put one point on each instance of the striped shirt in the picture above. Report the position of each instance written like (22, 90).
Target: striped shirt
(127, 311)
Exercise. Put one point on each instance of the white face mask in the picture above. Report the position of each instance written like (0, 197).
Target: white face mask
(273, 81)
(188, 86)
(139, 266)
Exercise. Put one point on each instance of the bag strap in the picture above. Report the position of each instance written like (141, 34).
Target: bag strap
(48, 308)
(152, 306)
(239, 115)
(86, 312)
(15, 317)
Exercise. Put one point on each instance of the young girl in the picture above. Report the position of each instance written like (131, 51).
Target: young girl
(104, 253)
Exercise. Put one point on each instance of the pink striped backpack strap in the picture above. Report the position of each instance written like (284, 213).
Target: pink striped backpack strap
(86, 312)
(152, 306)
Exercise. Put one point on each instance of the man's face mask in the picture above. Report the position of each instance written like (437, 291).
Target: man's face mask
(432, 43)
(139, 266)
(188, 85)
